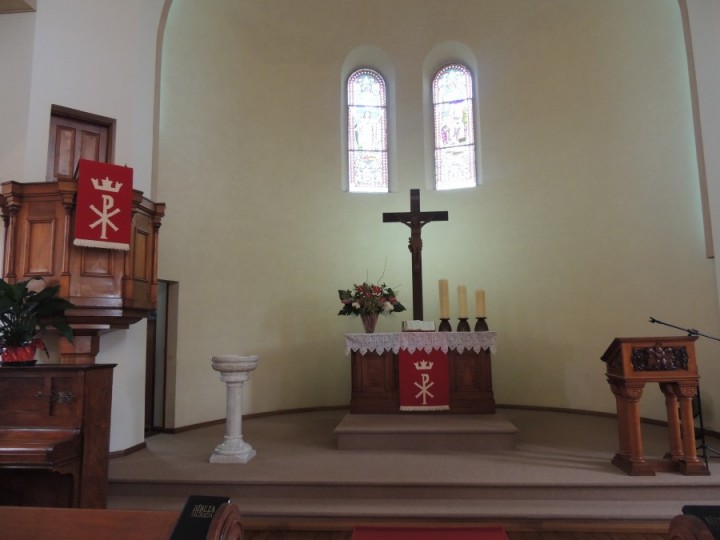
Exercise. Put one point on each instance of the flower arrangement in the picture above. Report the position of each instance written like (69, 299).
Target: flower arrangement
(369, 298)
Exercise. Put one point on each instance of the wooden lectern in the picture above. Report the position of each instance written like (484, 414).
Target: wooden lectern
(110, 289)
(669, 361)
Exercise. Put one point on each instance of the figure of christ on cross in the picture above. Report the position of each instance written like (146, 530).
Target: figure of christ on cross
(415, 219)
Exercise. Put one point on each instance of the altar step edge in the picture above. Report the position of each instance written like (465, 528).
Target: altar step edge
(420, 432)
(281, 509)
(331, 493)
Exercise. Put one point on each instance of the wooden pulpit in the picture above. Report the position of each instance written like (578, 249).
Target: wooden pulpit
(669, 361)
(110, 289)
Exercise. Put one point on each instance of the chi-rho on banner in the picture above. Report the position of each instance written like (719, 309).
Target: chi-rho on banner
(424, 380)
(103, 210)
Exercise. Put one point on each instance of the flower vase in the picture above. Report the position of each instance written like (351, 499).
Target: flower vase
(369, 321)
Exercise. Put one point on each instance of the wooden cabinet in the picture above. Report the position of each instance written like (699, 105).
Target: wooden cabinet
(55, 434)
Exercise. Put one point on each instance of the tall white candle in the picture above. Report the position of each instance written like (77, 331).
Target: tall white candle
(479, 303)
(444, 299)
(462, 302)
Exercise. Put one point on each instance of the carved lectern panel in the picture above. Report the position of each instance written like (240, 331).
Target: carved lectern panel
(659, 358)
(96, 262)
(41, 234)
(98, 282)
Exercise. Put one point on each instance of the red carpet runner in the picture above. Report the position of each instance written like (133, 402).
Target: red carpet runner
(406, 533)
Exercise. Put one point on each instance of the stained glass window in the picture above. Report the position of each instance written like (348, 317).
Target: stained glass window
(454, 128)
(367, 132)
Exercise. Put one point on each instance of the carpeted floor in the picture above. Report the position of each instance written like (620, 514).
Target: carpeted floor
(560, 468)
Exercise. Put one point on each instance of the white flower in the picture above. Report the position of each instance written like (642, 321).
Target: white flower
(356, 305)
(387, 306)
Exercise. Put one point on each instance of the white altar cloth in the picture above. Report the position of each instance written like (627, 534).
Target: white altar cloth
(427, 341)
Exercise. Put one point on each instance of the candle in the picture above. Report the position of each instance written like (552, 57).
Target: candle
(462, 302)
(444, 299)
(479, 303)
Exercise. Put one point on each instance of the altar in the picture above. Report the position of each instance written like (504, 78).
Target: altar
(377, 380)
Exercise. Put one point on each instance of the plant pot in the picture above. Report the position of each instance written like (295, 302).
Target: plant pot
(20, 355)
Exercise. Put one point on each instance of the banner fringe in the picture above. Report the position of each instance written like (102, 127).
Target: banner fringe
(424, 408)
(100, 244)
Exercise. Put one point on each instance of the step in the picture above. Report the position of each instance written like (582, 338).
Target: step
(469, 432)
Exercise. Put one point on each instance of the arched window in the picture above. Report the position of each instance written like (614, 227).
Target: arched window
(454, 128)
(367, 132)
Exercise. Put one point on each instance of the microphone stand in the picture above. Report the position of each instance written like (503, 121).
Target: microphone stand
(704, 447)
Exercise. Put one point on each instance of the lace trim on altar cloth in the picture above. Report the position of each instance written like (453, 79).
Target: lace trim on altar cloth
(426, 341)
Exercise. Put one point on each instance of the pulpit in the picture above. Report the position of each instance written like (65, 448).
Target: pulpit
(376, 375)
(669, 361)
(110, 289)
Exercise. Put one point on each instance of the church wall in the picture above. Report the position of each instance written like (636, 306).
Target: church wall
(16, 48)
(587, 223)
(97, 57)
(704, 21)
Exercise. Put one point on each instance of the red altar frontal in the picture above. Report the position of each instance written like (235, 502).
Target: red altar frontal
(443, 372)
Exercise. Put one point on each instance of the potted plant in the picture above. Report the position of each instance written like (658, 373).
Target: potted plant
(25, 314)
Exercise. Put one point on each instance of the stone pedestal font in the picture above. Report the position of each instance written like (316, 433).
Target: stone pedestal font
(234, 371)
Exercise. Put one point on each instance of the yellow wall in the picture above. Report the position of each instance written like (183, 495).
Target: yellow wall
(587, 223)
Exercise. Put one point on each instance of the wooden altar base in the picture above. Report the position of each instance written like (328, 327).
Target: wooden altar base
(481, 432)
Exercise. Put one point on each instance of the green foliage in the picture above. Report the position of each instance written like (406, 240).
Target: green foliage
(26, 314)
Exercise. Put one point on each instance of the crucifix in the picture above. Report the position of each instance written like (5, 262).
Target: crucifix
(415, 219)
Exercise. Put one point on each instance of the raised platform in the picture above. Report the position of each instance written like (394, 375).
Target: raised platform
(560, 469)
(481, 432)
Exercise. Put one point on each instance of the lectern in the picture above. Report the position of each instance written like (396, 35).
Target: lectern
(669, 361)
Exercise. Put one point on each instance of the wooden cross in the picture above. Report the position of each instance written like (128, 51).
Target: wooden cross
(415, 219)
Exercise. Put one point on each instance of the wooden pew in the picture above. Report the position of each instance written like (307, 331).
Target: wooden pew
(20, 523)
(689, 527)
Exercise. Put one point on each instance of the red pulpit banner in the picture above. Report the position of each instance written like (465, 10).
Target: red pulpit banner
(103, 211)
(424, 380)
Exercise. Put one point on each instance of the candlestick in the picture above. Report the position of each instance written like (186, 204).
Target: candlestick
(444, 299)
(462, 302)
(444, 326)
(480, 303)
(463, 325)
(481, 325)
